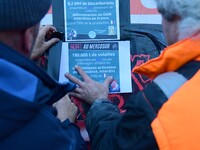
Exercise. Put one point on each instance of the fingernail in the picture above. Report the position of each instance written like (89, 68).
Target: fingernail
(66, 74)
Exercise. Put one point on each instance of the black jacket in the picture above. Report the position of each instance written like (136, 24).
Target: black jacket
(108, 129)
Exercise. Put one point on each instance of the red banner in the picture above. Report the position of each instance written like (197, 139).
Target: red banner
(50, 10)
(143, 7)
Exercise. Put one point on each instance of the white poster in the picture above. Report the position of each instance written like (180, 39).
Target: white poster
(91, 20)
(99, 60)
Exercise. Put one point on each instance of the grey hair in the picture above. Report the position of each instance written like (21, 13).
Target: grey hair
(187, 10)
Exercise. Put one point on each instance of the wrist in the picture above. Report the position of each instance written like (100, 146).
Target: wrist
(97, 102)
(100, 100)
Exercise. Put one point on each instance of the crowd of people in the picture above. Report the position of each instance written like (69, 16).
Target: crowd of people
(37, 113)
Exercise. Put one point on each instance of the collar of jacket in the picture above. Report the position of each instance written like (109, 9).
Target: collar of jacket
(172, 58)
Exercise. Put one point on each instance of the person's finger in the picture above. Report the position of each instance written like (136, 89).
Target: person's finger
(82, 73)
(74, 79)
(51, 42)
(47, 45)
(52, 28)
(48, 28)
(108, 80)
(74, 94)
(78, 90)
(47, 31)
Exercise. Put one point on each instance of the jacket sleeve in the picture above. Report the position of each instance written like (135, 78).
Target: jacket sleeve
(108, 129)
(44, 131)
(68, 132)
(101, 118)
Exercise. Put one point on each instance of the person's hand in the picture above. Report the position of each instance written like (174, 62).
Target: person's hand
(41, 45)
(89, 90)
(66, 109)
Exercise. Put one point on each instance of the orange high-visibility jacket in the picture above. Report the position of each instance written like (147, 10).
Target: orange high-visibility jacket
(177, 126)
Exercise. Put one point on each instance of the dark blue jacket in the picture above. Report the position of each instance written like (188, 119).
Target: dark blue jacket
(27, 119)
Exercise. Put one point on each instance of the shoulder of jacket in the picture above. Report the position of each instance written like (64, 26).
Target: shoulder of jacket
(169, 82)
